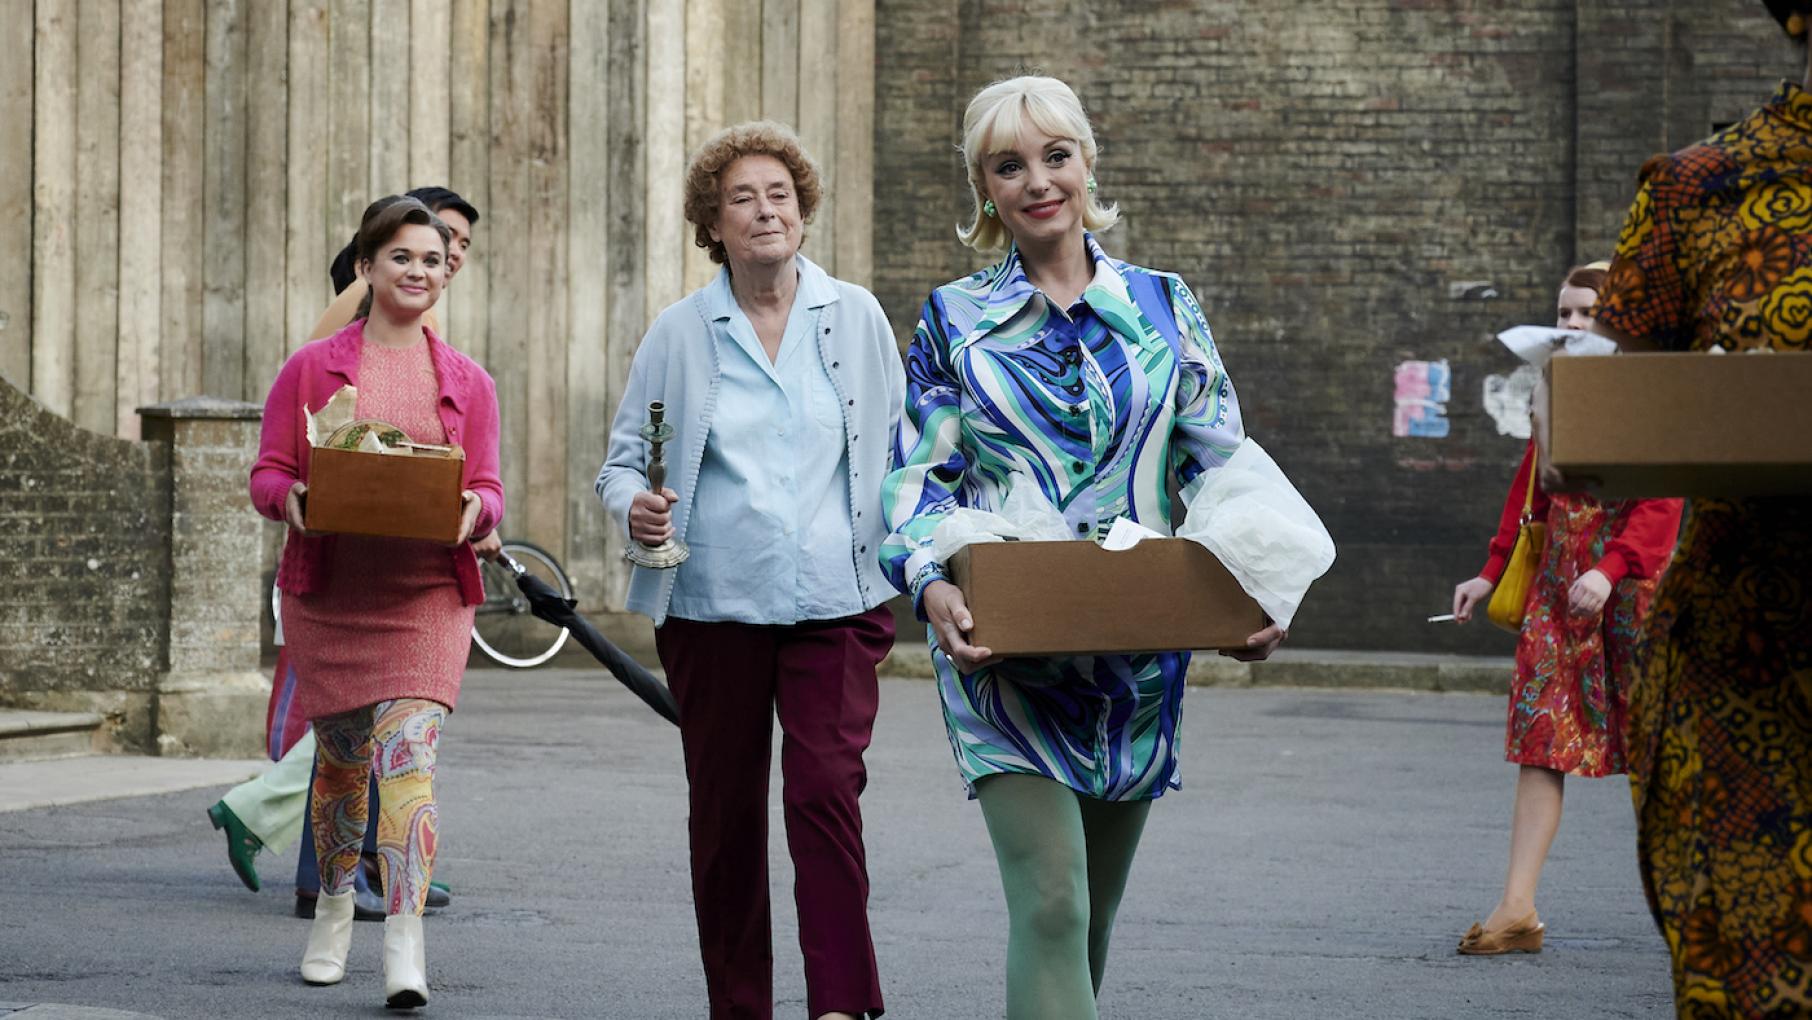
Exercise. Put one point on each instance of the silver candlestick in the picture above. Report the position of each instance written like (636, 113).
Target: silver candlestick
(672, 552)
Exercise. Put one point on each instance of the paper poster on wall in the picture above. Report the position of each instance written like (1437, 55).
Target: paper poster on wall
(1506, 399)
(1423, 389)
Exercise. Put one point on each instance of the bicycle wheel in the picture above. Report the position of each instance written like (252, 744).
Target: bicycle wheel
(503, 628)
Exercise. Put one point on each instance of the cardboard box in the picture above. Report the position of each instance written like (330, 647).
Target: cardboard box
(1075, 598)
(1628, 425)
(387, 495)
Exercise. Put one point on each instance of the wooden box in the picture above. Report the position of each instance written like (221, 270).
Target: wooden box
(387, 495)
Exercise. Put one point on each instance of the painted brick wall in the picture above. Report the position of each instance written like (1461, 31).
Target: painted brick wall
(1334, 186)
(84, 555)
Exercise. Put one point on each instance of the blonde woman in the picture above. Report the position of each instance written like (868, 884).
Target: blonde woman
(1099, 382)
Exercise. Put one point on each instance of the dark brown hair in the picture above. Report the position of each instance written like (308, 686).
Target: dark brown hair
(382, 219)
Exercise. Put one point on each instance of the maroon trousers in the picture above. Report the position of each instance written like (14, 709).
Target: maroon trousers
(731, 680)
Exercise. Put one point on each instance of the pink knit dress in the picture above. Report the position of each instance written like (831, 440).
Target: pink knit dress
(388, 623)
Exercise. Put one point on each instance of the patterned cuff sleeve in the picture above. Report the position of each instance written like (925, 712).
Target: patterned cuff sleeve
(931, 571)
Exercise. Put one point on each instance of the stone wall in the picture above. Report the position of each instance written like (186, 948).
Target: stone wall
(1346, 192)
(130, 574)
(84, 568)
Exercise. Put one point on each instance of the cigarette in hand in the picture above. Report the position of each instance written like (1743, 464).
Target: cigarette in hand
(1443, 618)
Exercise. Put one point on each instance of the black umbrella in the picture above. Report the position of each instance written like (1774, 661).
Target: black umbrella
(549, 605)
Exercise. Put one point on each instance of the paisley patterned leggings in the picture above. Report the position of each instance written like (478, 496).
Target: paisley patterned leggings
(398, 740)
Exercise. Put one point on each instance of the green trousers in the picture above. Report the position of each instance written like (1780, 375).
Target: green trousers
(273, 805)
(1064, 859)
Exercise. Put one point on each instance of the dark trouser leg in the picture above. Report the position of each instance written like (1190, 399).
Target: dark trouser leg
(722, 676)
(826, 698)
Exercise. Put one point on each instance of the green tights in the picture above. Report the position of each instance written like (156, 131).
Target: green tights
(1064, 859)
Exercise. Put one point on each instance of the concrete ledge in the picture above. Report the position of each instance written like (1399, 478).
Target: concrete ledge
(126, 715)
(38, 735)
(21, 724)
(1290, 667)
(1306, 667)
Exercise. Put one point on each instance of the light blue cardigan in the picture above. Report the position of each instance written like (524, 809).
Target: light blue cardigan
(677, 363)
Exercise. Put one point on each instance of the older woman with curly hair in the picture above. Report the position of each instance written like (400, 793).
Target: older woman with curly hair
(784, 387)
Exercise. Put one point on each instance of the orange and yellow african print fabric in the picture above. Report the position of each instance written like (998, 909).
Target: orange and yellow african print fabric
(1717, 252)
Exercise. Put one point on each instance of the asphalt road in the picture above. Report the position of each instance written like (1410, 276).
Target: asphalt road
(1321, 861)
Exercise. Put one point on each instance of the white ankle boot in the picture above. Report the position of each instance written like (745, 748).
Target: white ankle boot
(405, 962)
(324, 961)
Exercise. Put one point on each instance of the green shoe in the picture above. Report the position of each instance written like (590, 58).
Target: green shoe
(242, 846)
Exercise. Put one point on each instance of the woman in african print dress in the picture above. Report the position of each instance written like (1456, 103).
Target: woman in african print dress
(1575, 656)
(1717, 253)
(1098, 382)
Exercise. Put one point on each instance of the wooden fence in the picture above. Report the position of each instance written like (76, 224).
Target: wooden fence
(175, 176)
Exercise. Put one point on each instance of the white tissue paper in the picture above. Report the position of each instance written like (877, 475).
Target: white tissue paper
(1261, 529)
(1127, 533)
(1538, 344)
(1026, 515)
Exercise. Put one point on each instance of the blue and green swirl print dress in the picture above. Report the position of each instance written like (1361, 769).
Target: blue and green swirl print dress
(1101, 405)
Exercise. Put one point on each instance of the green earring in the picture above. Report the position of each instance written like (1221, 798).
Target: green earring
(988, 207)
(1091, 185)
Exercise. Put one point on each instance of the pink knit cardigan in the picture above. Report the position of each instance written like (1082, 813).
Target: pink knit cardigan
(468, 410)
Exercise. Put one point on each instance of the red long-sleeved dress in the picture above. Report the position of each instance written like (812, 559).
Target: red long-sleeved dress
(1569, 696)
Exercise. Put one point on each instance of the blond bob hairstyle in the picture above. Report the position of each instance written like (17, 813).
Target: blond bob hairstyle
(755, 138)
(994, 122)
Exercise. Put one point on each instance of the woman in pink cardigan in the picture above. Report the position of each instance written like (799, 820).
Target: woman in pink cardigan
(378, 628)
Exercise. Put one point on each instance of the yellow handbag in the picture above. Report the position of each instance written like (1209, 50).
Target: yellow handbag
(1512, 593)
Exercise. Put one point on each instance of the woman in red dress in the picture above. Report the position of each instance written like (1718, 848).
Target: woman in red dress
(1581, 624)
(378, 628)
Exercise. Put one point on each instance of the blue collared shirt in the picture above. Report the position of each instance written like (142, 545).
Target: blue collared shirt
(770, 531)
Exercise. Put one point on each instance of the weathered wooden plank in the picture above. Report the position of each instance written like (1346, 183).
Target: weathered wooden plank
(588, 293)
(545, 117)
(391, 50)
(705, 81)
(780, 61)
(97, 214)
(349, 118)
(741, 61)
(185, 72)
(818, 45)
(467, 321)
(853, 200)
(665, 151)
(430, 71)
(266, 214)
(223, 195)
(625, 261)
(17, 72)
(307, 250)
(141, 209)
(509, 245)
(53, 208)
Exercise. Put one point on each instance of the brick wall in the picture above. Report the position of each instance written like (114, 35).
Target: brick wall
(1329, 184)
(84, 556)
